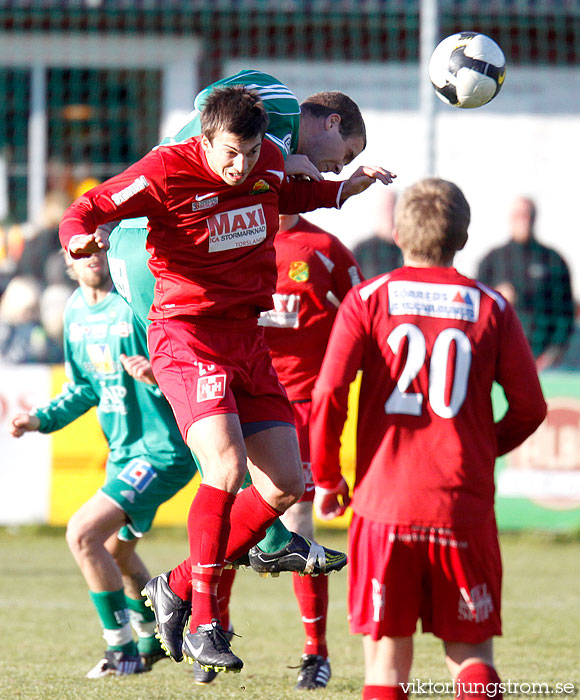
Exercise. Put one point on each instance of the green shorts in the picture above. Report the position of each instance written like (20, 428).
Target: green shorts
(141, 485)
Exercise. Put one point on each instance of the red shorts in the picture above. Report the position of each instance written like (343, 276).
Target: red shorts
(207, 367)
(449, 579)
(302, 410)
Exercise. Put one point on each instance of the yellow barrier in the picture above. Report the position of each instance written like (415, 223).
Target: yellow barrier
(79, 455)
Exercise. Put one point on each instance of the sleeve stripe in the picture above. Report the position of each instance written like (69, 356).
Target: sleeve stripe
(371, 288)
(499, 300)
(277, 142)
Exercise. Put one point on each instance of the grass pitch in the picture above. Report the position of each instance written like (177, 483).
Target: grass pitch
(51, 636)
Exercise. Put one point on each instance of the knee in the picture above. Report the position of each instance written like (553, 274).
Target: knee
(80, 536)
(296, 490)
(290, 493)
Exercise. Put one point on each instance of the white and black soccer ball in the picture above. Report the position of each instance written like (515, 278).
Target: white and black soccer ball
(467, 70)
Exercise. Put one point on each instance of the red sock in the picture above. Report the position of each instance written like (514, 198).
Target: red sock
(252, 517)
(312, 595)
(478, 682)
(383, 692)
(224, 593)
(180, 579)
(208, 529)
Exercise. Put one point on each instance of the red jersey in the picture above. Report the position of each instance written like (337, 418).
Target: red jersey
(315, 271)
(430, 343)
(211, 244)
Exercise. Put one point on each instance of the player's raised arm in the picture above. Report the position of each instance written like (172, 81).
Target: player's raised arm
(363, 178)
(297, 165)
(138, 191)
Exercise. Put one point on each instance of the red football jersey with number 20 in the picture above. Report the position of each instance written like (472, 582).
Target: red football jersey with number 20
(430, 343)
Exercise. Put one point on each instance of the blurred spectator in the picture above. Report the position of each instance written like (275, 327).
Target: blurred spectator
(536, 280)
(52, 303)
(22, 336)
(379, 253)
(41, 256)
(11, 246)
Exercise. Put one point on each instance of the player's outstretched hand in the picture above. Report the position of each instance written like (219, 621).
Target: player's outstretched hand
(84, 246)
(331, 504)
(24, 423)
(300, 166)
(138, 367)
(362, 178)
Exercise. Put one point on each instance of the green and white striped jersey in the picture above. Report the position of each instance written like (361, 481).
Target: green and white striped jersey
(279, 101)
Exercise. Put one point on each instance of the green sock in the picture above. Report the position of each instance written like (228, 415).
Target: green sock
(114, 616)
(142, 620)
(277, 537)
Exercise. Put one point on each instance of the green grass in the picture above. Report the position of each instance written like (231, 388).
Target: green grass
(51, 636)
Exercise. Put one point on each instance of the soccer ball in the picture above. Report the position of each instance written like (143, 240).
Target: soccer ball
(467, 70)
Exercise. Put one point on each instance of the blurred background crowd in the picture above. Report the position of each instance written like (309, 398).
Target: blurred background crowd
(90, 87)
(35, 285)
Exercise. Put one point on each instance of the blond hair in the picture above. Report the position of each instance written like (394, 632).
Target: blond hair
(431, 219)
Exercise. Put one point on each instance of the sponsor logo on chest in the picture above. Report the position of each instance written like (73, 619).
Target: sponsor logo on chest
(238, 228)
(435, 300)
(101, 358)
(204, 201)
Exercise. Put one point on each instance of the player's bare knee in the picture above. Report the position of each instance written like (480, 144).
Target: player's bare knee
(82, 536)
(77, 535)
(288, 497)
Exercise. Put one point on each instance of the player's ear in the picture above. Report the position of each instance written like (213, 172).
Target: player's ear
(462, 243)
(205, 143)
(395, 235)
(332, 121)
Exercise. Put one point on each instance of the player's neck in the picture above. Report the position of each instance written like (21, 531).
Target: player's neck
(94, 295)
(410, 261)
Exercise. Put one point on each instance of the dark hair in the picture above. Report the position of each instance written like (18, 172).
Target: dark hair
(323, 104)
(236, 110)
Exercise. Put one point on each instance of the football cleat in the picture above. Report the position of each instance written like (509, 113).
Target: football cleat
(314, 672)
(299, 555)
(240, 563)
(171, 614)
(147, 660)
(209, 646)
(203, 675)
(116, 663)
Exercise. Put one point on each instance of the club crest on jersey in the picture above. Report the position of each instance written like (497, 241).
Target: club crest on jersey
(138, 474)
(210, 387)
(259, 187)
(436, 300)
(299, 271)
(237, 228)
